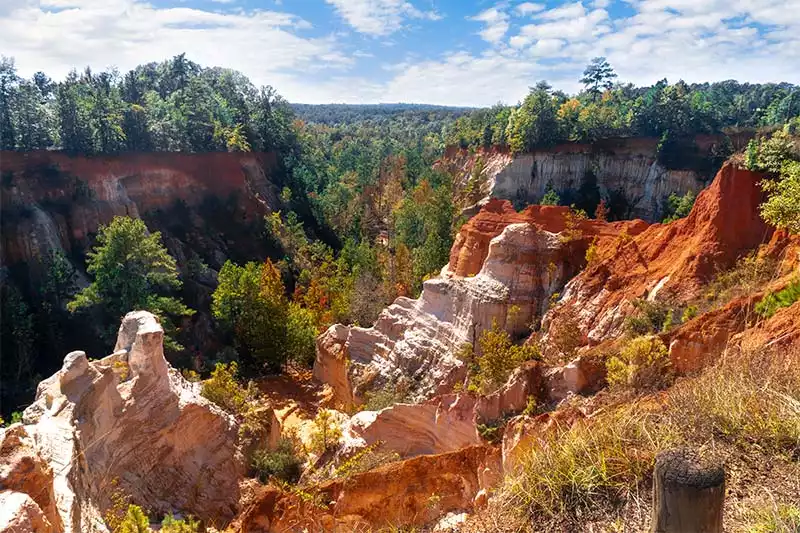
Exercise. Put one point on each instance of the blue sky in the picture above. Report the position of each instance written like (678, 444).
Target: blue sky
(467, 52)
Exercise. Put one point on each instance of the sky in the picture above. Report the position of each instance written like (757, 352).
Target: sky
(447, 52)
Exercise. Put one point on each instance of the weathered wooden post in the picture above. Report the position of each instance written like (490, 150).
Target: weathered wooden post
(688, 493)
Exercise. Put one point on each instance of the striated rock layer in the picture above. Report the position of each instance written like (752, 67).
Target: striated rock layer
(53, 201)
(127, 423)
(622, 168)
(504, 266)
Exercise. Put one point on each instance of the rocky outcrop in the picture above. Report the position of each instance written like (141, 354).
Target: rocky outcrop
(523, 432)
(667, 261)
(130, 423)
(524, 258)
(26, 484)
(409, 493)
(622, 170)
(445, 423)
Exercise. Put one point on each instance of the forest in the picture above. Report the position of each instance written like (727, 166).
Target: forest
(366, 216)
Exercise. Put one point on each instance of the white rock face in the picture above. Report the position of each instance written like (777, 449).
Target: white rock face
(418, 340)
(643, 182)
(131, 422)
(20, 514)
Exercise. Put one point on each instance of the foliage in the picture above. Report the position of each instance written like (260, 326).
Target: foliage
(135, 521)
(550, 197)
(224, 389)
(492, 431)
(748, 275)
(366, 459)
(251, 301)
(678, 206)
(170, 524)
(326, 433)
(782, 208)
(649, 317)
(497, 358)
(282, 463)
(565, 335)
(748, 399)
(387, 396)
(642, 363)
(598, 75)
(773, 301)
(132, 270)
(776, 518)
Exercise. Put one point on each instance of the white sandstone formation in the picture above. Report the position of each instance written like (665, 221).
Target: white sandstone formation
(418, 340)
(129, 423)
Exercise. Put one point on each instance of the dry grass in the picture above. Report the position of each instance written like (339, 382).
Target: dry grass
(597, 475)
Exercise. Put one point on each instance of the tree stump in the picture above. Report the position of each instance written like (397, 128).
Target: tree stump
(688, 493)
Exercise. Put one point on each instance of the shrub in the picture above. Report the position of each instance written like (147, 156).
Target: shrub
(773, 301)
(678, 206)
(283, 463)
(135, 521)
(387, 396)
(326, 433)
(643, 363)
(776, 518)
(170, 524)
(498, 357)
(749, 274)
(224, 390)
(492, 431)
(649, 317)
(369, 458)
(565, 335)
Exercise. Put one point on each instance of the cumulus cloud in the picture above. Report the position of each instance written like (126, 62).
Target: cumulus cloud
(57, 35)
(527, 8)
(379, 17)
(496, 24)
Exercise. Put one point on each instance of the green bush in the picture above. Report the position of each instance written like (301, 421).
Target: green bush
(135, 521)
(283, 463)
(498, 357)
(649, 317)
(224, 389)
(773, 301)
(170, 524)
(326, 432)
(643, 363)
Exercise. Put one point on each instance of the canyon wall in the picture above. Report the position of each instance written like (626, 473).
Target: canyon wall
(53, 201)
(625, 172)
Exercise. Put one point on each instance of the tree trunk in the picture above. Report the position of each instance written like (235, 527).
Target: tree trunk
(688, 493)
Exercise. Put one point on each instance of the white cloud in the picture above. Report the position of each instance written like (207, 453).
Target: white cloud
(379, 17)
(496, 21)
(126, 33)
(528, 8)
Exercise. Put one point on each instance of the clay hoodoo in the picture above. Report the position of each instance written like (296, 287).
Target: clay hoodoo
(127, 422)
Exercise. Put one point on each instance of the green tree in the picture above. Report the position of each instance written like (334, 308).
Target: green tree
(8, 81)
(598, 75)
(135, 521)
(782, 208)
(132, 270)
(250, 300)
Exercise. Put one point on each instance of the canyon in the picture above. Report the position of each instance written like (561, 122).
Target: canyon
(131, 422)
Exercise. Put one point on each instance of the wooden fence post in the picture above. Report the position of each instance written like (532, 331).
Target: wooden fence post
(688, 493)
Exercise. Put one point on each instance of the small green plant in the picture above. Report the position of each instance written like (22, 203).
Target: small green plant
(776, 518)
(498, 357)
(688, 314)
(326, 432)
(643, 363)
(190, 375)
(170, 524)
(773, 301)
(591, 253)
(649, 317)
(387, 396)
(224, 390)
(135, 521)
(369, 458)
(550, 197)
(282, 463)
(678, 206)
(492, 431)
(531, 406)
